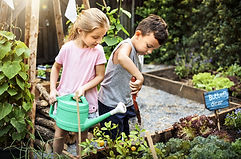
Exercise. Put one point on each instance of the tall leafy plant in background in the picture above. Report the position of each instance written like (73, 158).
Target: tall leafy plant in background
(210, 28)
(113, 38)
(16, 99)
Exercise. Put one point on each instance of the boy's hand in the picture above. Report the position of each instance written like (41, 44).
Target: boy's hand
(52, 96)
(135, 86)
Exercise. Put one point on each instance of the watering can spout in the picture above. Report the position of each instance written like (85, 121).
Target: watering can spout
(121, 108)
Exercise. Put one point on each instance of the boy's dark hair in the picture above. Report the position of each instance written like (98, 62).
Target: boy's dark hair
(154, 24)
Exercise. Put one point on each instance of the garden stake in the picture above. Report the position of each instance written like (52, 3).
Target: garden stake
(79, 132)
(150, 142)
(217, 118)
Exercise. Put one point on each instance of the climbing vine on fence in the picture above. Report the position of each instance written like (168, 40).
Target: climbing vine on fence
(16, 99)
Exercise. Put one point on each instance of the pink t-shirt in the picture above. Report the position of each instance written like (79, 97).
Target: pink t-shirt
(78, 69)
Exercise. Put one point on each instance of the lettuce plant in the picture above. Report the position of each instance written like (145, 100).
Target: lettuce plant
(211, 82)
(191, 126)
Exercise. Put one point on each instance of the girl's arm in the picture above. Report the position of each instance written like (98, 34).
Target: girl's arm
(54, 75)
(100, 73)
(122, 57)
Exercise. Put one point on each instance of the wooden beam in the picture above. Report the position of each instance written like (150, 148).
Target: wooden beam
(58, 22)
(33, 41)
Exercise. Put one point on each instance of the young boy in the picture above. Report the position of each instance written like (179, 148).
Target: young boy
(122, 65)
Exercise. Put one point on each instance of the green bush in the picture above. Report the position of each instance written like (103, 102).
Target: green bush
(15, 96)
(210, 28)
(233, 120)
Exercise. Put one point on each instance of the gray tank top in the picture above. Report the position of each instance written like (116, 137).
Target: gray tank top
(115, 86)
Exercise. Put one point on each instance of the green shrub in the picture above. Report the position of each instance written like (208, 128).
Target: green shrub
(15, 96)
(233, 119)
(210, 28)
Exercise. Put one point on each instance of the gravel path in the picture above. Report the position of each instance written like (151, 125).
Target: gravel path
(159, 109)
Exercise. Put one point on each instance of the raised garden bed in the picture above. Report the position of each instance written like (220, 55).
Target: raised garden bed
(165, 135)
(165, 79)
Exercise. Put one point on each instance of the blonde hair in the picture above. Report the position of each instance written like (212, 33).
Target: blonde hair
(87, 21)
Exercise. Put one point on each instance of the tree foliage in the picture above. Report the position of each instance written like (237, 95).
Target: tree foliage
(208, 28)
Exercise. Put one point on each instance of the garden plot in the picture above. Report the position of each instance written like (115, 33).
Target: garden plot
(159, 109)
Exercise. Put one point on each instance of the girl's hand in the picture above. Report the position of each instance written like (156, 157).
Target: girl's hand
(135, 86)
(52, 96)
(80, 92)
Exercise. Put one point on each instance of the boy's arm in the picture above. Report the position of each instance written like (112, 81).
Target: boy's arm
(54, 75)
(122, 55)
(100, 73)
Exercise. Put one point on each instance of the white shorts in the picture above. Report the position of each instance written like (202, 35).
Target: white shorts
(93, 115)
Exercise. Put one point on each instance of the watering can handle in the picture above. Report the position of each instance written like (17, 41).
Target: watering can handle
(51, 110)
(82, 98)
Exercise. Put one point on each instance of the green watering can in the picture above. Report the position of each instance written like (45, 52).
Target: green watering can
(66, 116)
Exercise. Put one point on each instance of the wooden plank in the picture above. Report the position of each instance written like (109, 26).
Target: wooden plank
(58, 22)
(167, 72)
(150, 142)
(174, 87)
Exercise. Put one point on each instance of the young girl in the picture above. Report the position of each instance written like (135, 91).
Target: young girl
(83, 62)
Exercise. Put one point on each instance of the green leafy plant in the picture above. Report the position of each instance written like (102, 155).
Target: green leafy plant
(233, 119)
(43, 71)
(209, 28)
(113, 38)
(16, 99)
(236, 146)
(174, 148)
(211, 82)
(132, 146)
(211, 147)
(186, 66)
(192, 126)
(233, 73)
